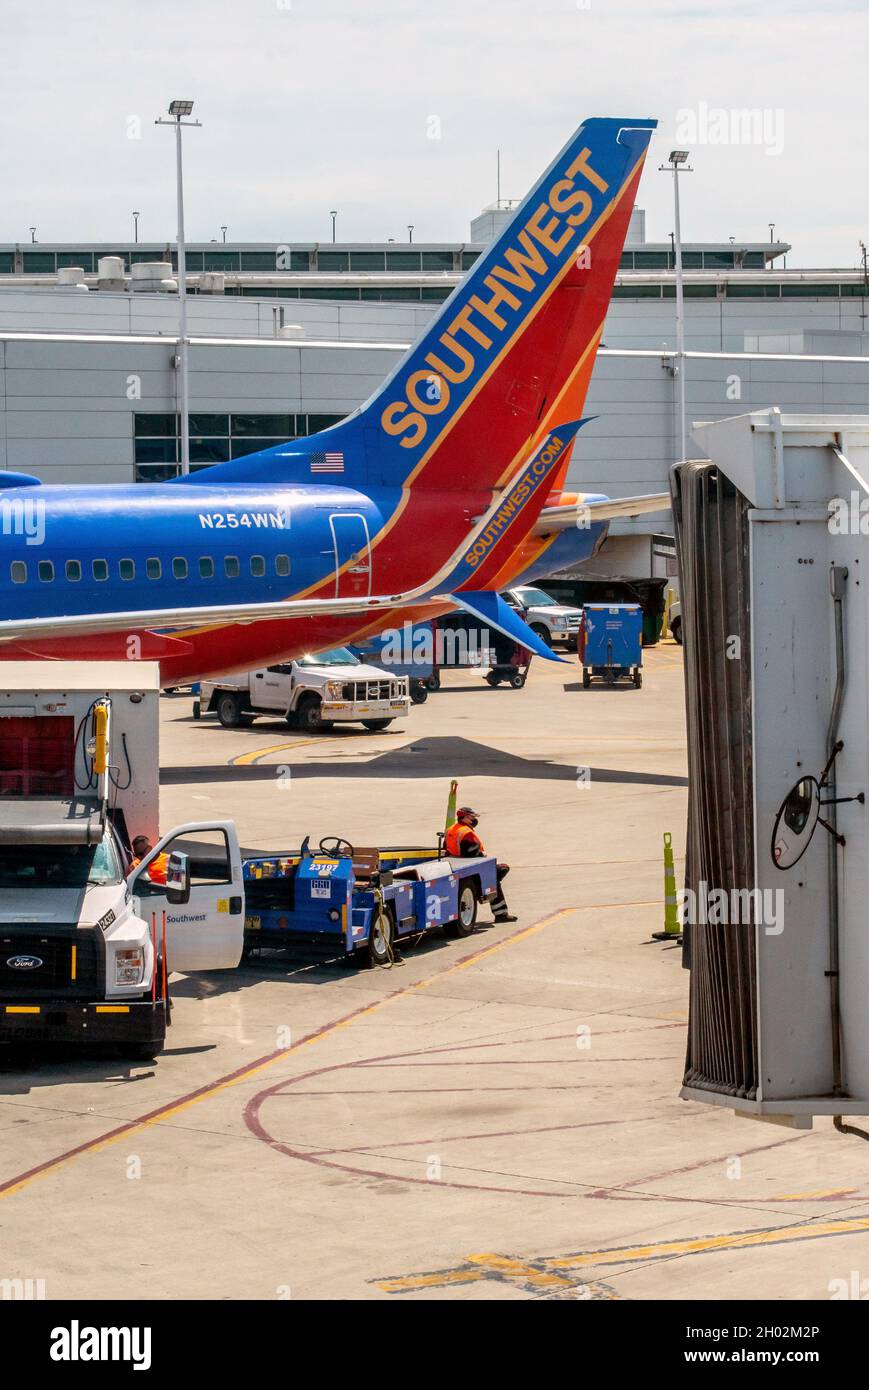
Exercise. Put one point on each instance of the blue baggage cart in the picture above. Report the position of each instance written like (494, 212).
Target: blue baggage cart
(611, 642)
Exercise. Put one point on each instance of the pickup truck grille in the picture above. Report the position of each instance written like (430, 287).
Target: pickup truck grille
(360, 691)
(58, 971)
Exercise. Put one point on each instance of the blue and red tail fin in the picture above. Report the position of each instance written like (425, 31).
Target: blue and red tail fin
(510, 353)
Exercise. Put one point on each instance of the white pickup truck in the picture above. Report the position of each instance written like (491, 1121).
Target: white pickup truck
(312, 693)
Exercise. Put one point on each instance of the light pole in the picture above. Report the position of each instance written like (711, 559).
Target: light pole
(136, 228)
(223, 230)
(32, 235)
(333, 214)
(177, 110)
(677, 164)
(410, 231)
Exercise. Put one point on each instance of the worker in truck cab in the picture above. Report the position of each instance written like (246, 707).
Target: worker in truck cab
(463, 842)
(156, 870)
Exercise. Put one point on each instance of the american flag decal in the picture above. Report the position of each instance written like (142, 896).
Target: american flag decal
(332, 461)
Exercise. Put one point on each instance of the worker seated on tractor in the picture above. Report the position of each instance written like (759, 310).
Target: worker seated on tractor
(156, 870)
(463, 842)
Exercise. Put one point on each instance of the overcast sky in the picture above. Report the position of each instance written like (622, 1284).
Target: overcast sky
(309, 105)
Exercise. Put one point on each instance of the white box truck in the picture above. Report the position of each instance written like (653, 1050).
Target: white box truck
(89, 931)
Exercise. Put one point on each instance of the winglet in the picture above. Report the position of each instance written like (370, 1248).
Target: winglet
(499, 615)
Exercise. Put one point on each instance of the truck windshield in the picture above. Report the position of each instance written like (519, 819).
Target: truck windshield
(535, 598)
(59, 866)
(338, 656)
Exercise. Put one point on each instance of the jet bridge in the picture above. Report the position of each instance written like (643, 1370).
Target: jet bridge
(773, 540)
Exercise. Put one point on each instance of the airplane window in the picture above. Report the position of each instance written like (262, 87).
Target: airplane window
(231, 567)
(206, 567)
(179, 567)
(100, 569)
(127, 569)
(18, 571)
(73, 571)
(45, 570)
(153, 568)
(282, 564)
(257, 566)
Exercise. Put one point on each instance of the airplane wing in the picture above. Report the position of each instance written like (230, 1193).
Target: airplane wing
(578, 514)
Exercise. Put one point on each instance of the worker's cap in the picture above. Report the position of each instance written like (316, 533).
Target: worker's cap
(466, 811)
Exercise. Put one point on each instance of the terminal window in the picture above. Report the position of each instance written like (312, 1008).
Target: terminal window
(214, 438)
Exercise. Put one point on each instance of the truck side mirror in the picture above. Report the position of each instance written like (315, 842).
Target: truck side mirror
(178, 878)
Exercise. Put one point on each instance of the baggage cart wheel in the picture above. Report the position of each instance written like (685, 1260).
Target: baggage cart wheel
(638, 677)
(380, 937)
(466, 916)
(434, 681)
(492, 679)
(586, 678)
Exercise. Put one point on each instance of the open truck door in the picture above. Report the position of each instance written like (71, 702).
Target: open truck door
(201, 891)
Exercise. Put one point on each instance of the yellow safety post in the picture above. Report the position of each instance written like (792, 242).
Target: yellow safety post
(672, 929)
(451, 804)
(101, 720)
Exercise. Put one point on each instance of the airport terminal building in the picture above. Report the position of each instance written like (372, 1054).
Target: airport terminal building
(288, 338)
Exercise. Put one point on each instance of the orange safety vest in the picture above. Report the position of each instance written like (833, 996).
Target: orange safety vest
(156, 870)
(457, 833)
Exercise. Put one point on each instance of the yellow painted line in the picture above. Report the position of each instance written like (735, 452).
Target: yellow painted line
(249, 759)
(502, 1264)
(22, 1009)
(699, 1245)
(113, 1008)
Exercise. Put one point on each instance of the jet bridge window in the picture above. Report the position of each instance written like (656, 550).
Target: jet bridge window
(73, 571)
(45, 570)
(153, 568)
(179, 567)
(257, 566)
(231, 567)
(18, 572)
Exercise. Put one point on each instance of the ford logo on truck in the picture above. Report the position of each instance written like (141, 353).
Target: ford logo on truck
(24, 962)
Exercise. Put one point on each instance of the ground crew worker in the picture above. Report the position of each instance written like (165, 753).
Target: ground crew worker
(463, 842)
(156, 870)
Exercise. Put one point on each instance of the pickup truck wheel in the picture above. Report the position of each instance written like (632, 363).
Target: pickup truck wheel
(308, 715)
(380, 937)
(229, 712)
(467, 912)
(419, 692)
(542, 632)
(375, 725)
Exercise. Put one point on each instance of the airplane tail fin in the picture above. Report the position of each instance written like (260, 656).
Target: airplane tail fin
(511, 351)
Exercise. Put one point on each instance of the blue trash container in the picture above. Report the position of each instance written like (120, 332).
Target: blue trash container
(611, 642)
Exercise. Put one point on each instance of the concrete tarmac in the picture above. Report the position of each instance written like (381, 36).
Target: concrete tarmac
(497, 1117)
